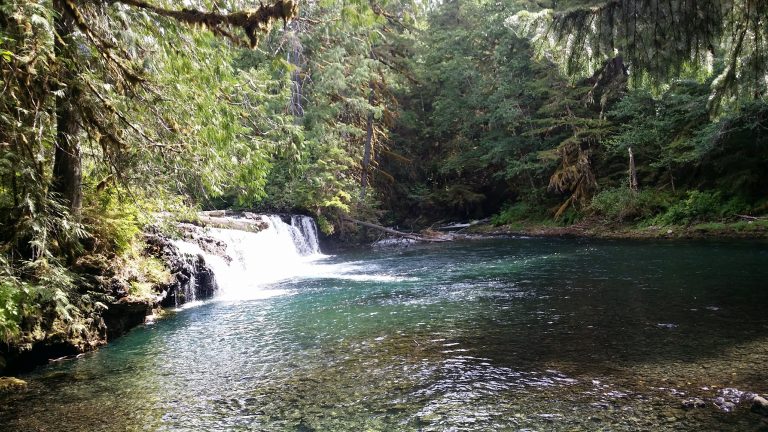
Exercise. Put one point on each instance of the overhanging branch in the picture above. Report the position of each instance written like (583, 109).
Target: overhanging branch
(251, 21)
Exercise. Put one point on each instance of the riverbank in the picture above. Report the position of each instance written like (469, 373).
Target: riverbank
(107, 297)
(596, 228)
(162, 270)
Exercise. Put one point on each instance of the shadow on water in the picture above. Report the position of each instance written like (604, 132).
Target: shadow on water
(614, 304)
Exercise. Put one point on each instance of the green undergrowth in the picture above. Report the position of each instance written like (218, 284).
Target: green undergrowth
(520, 213)
(663, 208)
(60, 297)
(47, 304)
(620, 212)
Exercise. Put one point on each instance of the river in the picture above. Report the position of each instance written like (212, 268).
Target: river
(486, 335)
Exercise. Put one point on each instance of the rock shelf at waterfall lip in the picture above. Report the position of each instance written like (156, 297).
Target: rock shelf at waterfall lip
(243, 221)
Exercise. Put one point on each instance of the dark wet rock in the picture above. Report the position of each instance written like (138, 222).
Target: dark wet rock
(213, 246)
(25, 357)
(692, 403)
(118, 287)
(759, 405)
(207, 243)
(191, 278)
(124, 315)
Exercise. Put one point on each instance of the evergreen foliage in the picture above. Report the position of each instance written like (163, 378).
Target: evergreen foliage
(661, 40)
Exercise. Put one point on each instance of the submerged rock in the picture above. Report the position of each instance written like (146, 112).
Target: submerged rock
(724, 405)
(11, 384)
(394, 242)
(759, 405)
(666, 326)
(689, 404)
(729, 398)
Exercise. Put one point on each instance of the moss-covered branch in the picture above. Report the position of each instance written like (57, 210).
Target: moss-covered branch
(252, 21)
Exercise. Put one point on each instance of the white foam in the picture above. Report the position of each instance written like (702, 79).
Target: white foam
(259, 261)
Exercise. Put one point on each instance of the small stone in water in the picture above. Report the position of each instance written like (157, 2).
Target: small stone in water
(601, 405)
(694, 403)
(760, 405)
(666, 325)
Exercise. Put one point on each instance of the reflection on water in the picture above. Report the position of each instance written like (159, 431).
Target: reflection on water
(516, 334)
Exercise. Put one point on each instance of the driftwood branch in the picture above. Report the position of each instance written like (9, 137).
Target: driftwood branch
(395, 232)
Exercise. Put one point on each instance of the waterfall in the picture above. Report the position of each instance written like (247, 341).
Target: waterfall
(254, 261)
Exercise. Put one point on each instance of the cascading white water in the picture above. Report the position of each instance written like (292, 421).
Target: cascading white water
(255, 263)
(307, 233)
(279, 252)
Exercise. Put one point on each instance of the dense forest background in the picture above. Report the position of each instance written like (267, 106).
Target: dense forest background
(120, 115)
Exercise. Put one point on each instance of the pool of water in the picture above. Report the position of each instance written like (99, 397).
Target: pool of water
(510, 334)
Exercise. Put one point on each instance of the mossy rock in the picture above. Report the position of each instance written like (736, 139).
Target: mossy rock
(11, 385)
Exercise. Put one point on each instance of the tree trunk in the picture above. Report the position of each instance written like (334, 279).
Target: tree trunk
(671, 178)
(368, 145)
(67, 169)
(295, 58)
(632, 172)
(67, 164)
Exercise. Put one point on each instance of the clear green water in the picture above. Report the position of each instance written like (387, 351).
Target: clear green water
(513, 334)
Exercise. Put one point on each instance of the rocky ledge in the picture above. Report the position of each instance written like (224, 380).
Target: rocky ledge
(107, 307)
(191, 278)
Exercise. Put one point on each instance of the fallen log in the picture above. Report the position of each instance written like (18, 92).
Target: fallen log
(752, 218)
(395, 232)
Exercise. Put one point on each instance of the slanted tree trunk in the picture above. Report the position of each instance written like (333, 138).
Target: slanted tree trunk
(368, 145)
(395, 232)
(67, 164)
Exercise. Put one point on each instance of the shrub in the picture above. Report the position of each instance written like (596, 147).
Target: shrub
(10, 315)
(514, 213)
(112, 220)
(621, 204)
(700, 206)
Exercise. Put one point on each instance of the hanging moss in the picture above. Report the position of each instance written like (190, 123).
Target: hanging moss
(660, 40)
